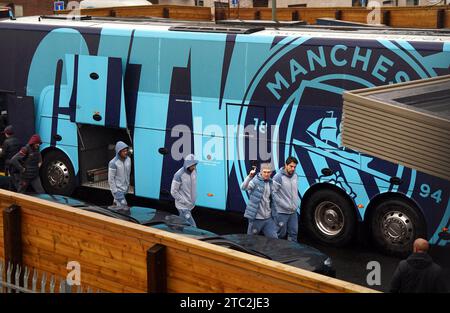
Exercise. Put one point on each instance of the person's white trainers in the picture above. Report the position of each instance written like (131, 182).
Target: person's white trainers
(124, 209)
(114, 207)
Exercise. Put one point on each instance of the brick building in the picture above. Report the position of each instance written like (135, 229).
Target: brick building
(40, 7)
(29, 7)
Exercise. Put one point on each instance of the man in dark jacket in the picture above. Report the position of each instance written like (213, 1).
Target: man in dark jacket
(10, 147)
(27, 163)
(418, 273)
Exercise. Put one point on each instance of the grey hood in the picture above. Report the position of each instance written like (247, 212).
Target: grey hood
(120, 145)
(189, 160)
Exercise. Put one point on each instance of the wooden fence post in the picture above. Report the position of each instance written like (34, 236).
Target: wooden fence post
(165, 13)
(387, 18)
(12, 237)
(156, 269)
(440, 23)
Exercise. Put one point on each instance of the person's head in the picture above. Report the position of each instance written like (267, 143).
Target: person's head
(190, 163)
(290, 165)
(420, 246)
(8, 131)
(123, 153)
(266, 170)
(122, 150)
(35, 141)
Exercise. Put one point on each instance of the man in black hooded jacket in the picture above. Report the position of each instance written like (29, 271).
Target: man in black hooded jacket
(27, 163)
(418, 273)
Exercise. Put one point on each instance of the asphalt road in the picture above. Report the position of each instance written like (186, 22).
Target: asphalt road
(350, 262)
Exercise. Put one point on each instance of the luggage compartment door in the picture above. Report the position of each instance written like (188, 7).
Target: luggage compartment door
(97, 96)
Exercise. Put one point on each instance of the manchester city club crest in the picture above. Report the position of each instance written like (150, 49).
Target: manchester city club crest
(297, 95)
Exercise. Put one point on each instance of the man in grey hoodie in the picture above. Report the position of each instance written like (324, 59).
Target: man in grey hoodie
(259, 211)
(119, 169)
(286, 200)
(184, 188)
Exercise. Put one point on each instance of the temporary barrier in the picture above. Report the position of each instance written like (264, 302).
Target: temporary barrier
(178, 12)
(410, 17)
(118, 256)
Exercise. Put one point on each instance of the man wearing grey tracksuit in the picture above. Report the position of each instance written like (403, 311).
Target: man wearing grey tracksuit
(119, 170)
(286, 200)
(259, 211)
(184, 188)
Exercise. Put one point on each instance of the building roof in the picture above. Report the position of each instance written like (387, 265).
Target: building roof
(407, 123)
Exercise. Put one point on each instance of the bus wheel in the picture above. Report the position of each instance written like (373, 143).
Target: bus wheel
(395, 225)
(57, 174)
(330, 218)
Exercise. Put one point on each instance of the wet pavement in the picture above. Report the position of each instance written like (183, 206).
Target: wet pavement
(350, 262)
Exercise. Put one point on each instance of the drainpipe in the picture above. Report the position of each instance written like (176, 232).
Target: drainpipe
(274, 10)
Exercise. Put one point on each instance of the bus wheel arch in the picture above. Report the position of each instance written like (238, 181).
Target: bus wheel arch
(329, 214)
(57, 172)
(394, 221)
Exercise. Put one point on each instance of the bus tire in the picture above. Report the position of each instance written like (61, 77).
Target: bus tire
(57, 174)
(395, 225)
(330, 218)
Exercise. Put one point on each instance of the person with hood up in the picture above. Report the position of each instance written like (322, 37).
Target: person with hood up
(418, 273)
(184, 188)
(27, 162)
(259, 211)
(286, 199)
(119, 170)
(11, 145)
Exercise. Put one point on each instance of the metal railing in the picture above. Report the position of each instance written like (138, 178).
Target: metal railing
(16, 279)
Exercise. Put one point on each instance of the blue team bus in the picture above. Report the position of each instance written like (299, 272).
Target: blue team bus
(234, 96)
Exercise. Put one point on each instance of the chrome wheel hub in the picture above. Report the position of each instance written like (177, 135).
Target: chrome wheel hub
(329, 218)
(58, 174)
(396, 227)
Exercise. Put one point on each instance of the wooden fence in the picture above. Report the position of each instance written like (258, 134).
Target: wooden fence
(116, 256)
(178, 12)
(402, 17)
(414, 17)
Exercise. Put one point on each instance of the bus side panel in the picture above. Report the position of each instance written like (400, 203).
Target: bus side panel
(29, 68)
(299, 82)
(50, 81)
(301, 88)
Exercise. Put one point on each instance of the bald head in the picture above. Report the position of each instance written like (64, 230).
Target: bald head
(421, 245)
